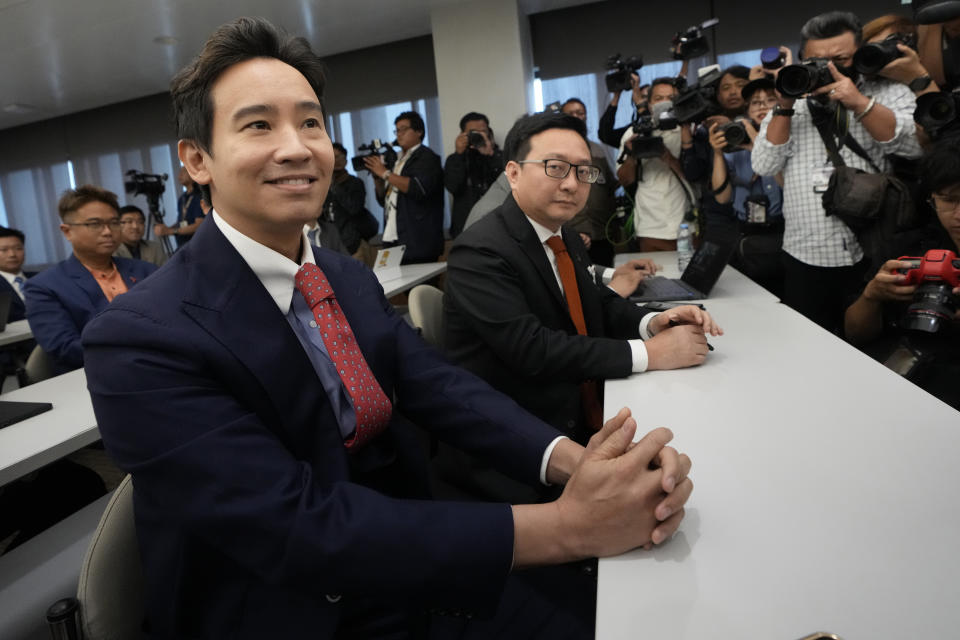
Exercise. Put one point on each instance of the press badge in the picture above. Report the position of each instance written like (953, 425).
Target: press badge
(821, 178)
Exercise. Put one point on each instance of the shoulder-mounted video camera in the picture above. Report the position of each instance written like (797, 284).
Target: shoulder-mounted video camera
(691, 43)
(696, 102)
(619, 68)
(148, 184)
(375, 148)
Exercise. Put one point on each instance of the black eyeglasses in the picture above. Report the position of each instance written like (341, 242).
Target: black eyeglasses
(560, 169)
(944, 204)
(96, 225)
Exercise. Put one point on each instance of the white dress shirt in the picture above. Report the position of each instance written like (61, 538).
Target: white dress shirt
(390, 204)
(11, 278)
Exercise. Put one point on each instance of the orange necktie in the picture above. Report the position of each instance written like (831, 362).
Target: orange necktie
(588, 389)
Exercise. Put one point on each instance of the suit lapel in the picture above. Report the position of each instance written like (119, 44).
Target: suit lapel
(85, 280)
(520, 229)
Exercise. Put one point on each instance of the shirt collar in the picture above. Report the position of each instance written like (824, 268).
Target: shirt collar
(275, 271)
(542, 232)
(12, 276)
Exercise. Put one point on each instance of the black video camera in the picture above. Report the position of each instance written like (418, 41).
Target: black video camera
(795, 80)
(872, 57)
(692, 43)
(699, 101)
(374, 148)
(148, 184)
(475, 139)
(937, 114)
(646, 144)
(618, 78)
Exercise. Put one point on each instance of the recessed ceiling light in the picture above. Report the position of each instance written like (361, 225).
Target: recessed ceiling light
(165, 40)
(15, 107)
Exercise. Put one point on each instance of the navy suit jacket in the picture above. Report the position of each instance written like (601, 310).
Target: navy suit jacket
(18, 310)
(507, 319)
(64, 298)
(252, 518)
(420, 209)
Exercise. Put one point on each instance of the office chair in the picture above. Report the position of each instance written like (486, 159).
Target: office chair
(426, 311)
(110, 589)
(39, 367)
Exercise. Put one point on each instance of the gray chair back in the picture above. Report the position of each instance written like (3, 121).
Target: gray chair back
(39, 366)
(110, 590)
(426, 312)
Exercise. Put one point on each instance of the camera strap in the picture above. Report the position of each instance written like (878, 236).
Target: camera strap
(822, 120)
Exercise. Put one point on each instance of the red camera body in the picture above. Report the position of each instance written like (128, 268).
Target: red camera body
(937, 265)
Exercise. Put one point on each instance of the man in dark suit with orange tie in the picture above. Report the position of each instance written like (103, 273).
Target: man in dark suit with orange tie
(279, 489)
(522, 308)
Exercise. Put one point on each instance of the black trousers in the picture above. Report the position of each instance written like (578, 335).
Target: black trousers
(822, 294)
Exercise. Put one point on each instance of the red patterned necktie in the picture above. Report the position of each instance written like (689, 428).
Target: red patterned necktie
(371, 405)
(589, 394)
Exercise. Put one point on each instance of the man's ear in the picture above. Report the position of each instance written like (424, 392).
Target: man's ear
(195, 160)
(513, 173)
(65, 230)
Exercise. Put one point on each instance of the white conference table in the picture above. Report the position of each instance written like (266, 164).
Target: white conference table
(15, 332)
(825, 493)
(410, 276)
(70, 425)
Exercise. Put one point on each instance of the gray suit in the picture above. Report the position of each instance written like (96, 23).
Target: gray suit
(150, 251)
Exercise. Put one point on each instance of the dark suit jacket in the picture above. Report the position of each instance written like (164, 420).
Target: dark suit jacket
(420, 209)
(18, 310)
(253, 520)
(64, 298)
(507, 319)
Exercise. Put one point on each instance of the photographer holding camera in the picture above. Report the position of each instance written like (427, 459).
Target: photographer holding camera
(915, 305)
(411, 193)
(757, 200)
(858, 120)
(661, 200)
(190, 212)
(471, 168)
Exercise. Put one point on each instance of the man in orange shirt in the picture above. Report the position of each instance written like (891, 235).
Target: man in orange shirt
(61, 300)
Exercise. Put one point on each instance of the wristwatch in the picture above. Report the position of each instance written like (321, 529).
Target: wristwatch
(782, 111)
(919, 84)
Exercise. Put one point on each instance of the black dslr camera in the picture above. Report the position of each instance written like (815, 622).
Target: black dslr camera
(692, 43)
(735, 134)
(696, 102)
(871, 58)
(618, 78)
(374, 148)
(795, 80)
(937, 114)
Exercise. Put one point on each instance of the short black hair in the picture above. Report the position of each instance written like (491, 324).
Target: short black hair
(737, 71)
(940, 166)
(473, 115)
(416, 122)
(132, 208)
(234, 42)
(663, 80)
(339, 147)
(830, 25)
(517, 144)
(7, 232)
(577, 100)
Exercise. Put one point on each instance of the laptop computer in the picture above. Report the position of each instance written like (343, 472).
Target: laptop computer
(698, 278)
(13, 412)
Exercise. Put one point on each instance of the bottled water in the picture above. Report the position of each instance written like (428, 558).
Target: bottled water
(684, 246)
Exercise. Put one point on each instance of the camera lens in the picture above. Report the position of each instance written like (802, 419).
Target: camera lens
(794, 80)
(934, 110)
(932, 303)
(871, 58)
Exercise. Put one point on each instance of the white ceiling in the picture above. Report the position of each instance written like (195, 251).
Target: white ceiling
(63, 56)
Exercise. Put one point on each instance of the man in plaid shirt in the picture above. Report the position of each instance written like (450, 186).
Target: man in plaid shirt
(824, 263)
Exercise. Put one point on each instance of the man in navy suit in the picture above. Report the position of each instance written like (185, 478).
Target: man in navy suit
(411, 193)
(275, 498)
(12, 256)
(64, 298)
